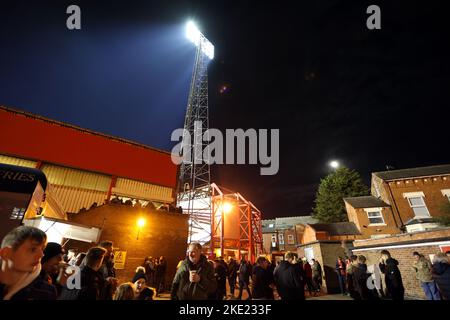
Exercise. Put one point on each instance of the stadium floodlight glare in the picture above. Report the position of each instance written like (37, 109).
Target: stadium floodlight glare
(197, 38)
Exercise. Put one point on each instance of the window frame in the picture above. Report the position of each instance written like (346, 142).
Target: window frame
(289, 237)
(419, 195)
(372, 210)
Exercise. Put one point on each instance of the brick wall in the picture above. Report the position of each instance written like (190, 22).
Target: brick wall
(360, 218)
(327, 253)
(164, 234)
(431, 187)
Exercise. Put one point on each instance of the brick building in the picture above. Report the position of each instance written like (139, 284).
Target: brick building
(401, 200)
(163, 234)
(283, 234)
(84, 167)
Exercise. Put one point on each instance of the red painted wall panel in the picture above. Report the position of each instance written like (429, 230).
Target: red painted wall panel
(38, 139)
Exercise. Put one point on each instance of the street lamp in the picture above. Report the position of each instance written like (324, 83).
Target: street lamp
(140, 224)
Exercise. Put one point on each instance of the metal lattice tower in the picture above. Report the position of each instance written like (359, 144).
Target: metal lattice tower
(194, 179)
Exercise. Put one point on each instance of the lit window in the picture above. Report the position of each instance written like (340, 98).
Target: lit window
(274, 240)
(291, 239)
(281, 238)
(271, 225)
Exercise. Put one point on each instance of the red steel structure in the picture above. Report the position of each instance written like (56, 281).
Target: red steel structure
(246, 227)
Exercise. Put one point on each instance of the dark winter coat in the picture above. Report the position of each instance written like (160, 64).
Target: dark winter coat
(359, 276)
(261, 283)
(221, 277)
(232, 270)
(183, 289)
(245, 270)
(441, 274)
(393, 279)
(39, 289)
(93, 287)
(289, 281)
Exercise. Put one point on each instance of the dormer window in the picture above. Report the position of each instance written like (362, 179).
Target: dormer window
(375, 216)
(446, 193)
(417, 203)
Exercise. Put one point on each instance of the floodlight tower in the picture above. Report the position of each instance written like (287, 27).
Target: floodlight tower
(195, 178)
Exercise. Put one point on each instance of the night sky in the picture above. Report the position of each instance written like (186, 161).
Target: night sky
(336, 90)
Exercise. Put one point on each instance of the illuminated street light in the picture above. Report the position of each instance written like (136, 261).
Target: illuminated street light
(334, 164)
(140, 224)
(197, 38)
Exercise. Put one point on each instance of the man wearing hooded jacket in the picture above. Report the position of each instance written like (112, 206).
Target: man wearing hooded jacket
(392, 276)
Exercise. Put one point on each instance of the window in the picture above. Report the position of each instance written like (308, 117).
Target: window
(271, 225)
(281, 238)
(274, 240)
(446, 193)
(291, 239)
(417, 203)
(375, 216)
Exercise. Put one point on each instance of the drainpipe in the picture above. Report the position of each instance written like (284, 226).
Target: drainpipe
(396, 209)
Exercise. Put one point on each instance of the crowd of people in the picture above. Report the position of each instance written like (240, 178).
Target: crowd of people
(32, 269)
(355, 279)
(199, 279)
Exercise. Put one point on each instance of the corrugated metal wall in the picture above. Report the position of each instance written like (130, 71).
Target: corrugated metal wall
(73, 199)
(17, 161)
(74, 189)
(68, 177)
(147, 191)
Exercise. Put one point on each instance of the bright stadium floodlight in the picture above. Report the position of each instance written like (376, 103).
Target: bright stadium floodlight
(197, 38)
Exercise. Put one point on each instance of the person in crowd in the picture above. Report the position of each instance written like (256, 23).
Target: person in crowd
(146, 294)
(261, 284)
(140, 274)
(20, 266)
(194, 279)
(125, 292)
(80, 259)
(160, 275)
(342, 275)
(307, 271)
(316, 269)
(393, 278)
(220, 273)
(69, 257)
(360, 277)
(232, 275)
(244, 272)
(351, 266)
(93, 286)
(289, 279)
(422, 269)
(52, 263)
(441, 274)
(150, 269)
(107, 268)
